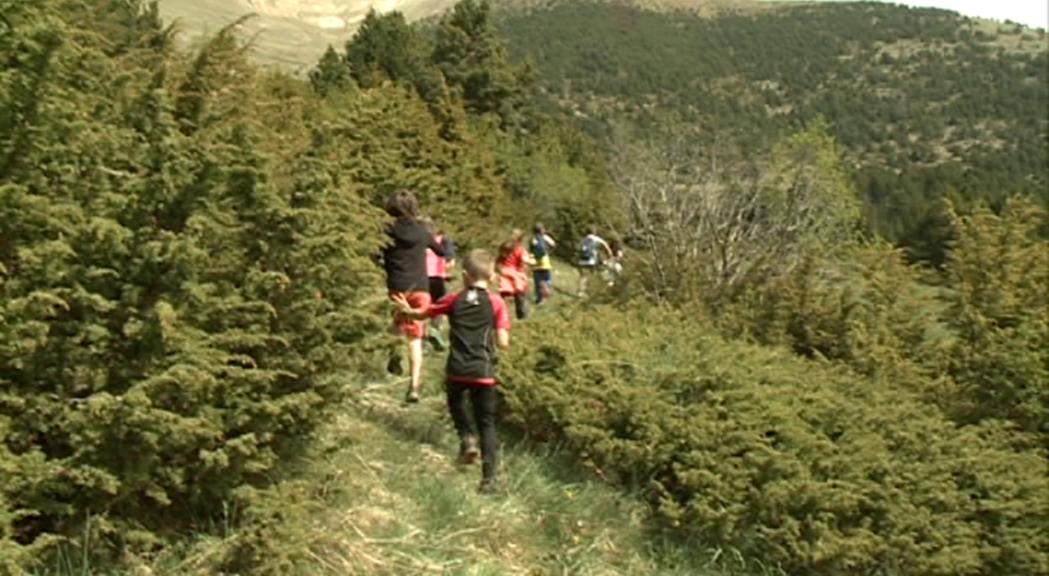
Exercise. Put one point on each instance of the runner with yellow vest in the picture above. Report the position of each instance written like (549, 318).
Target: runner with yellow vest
(543, 271)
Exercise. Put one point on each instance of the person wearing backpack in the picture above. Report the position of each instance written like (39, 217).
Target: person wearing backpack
(543, 271)
(592, 250)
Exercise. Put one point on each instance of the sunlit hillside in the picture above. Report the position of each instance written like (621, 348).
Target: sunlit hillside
(290, 33)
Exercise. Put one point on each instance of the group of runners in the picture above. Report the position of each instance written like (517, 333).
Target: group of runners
(420, 262)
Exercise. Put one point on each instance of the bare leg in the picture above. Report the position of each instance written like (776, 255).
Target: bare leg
(415, 362)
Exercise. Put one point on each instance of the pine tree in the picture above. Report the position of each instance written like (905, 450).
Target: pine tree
(332, 74)
(473, 59)
(385, 47)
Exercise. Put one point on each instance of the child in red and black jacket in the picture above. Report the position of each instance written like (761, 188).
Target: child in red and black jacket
(480, 323)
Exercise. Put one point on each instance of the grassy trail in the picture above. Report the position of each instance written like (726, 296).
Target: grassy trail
(407, 508)
(381, 494)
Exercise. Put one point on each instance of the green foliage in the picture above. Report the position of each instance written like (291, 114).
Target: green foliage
(557, 176)
(812, 468)
(186, 265)
(923, 109)
(866, 307)
(809, 188)
(179, 280)
(186, 260)
(971, 339)
(331, 74)
(998, 272)
(387, 138)
(386, 48)
(473, 59)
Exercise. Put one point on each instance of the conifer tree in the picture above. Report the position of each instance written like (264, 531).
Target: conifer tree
(331, 74)
(174, 295)
(473, 59)
(998, 273)
(385, 47)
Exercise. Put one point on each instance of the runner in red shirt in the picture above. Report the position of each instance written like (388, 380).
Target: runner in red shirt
(480, 324)
(513, 272)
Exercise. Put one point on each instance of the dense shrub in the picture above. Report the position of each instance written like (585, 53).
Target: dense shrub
(998, 307)
(866, 307)
(800, 463)
(177, 278)
(974, 337)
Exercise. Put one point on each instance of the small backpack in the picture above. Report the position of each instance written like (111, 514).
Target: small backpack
(588, 250)
(539, 248)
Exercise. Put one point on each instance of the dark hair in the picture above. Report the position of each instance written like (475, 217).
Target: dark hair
(402, 204)
(539, 229)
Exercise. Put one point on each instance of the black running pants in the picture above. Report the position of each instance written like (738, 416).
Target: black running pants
(485, 403)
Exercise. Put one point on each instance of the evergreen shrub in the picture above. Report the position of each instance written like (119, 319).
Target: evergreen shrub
(804, 464)
(183, 265)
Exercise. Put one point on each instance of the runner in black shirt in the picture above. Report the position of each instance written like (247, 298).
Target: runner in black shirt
(480, 323)
(405, 261)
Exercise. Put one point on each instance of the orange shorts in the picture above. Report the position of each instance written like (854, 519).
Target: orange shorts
(413, 329)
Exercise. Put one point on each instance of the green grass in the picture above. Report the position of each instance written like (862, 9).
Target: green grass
(423, 514)
(380, 494)
(391, 501)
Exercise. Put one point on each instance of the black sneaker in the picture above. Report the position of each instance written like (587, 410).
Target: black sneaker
(437, 342)
(433, 336)
(412, 397)
(468, 452)
(490, 486)
(393, 365)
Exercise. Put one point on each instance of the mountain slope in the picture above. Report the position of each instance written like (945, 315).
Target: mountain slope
(289, 33)
(927, 103)
(294, 33)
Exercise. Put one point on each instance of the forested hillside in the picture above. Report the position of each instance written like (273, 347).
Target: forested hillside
(193, 322)
(928, 104)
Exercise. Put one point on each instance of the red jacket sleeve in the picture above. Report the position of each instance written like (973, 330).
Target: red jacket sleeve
(500, 312)
(442, 306)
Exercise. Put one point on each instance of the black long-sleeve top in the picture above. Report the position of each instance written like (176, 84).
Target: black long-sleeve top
(405, 256)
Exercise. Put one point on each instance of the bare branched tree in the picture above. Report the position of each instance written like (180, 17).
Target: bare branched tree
(715, 226)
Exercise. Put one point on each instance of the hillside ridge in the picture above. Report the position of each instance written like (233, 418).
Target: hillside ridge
(292, 34)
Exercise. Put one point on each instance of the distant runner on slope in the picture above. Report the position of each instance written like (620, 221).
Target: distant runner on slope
(513, 275)
(437, 270)
(543, 271)
(592, 251)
